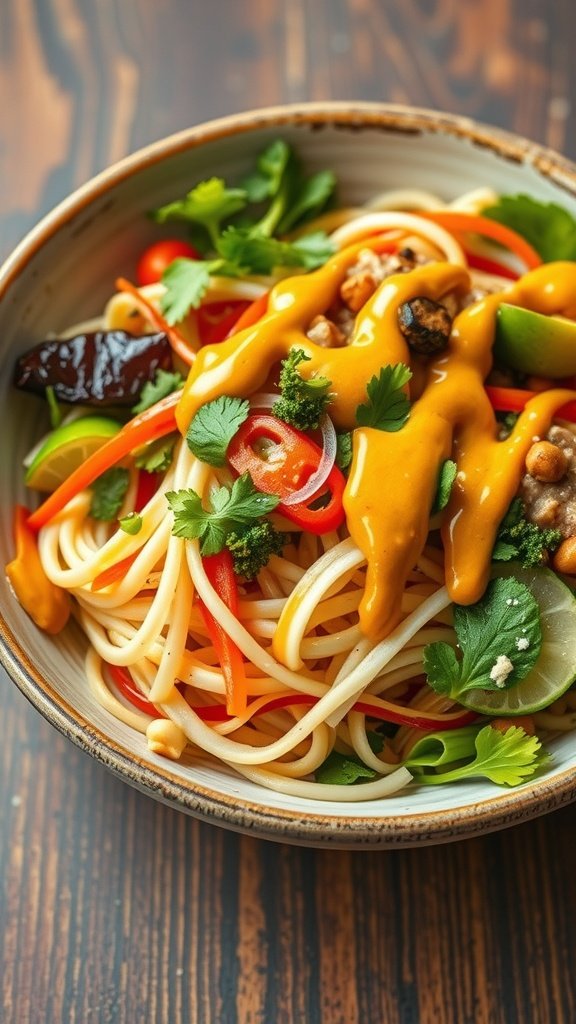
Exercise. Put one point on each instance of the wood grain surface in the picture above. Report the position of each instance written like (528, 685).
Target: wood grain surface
(114, 908)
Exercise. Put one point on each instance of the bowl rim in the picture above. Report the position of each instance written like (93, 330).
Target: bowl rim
(304, 827)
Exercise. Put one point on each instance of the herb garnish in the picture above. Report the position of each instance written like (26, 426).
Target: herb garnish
(549, 228)
(388, 406)
(446, 478)
(214, 426)
(108, 493)
(228, 511)
(163, 385)
(506, 758)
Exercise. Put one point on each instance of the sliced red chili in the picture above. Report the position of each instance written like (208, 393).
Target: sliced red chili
(280, 460)
(220, 571)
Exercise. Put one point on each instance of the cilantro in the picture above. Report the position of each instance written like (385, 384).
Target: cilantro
(214, 426)
(108, 492)
(163, 385)
(245, 245)
(186, 282)
(54, 409)
(549, 228)
(344, 449)
(518, 539)
(507, 759)
(131, 523)
(487, 631)
(343, 770)
(446, 478)
(156, 457)
(209, 203)
(302, 401)
(388, 406)
(251, 549)
(228, 511)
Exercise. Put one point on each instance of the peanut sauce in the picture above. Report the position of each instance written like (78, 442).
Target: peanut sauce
(393, 476)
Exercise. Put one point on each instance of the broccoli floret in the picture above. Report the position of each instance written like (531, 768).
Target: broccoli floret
(519, 539)
(302, 403)
(252, 548)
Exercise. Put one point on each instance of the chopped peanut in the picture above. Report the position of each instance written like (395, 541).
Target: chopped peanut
(357, 289)
(166, 738)
(325, 333)
(546, 462)
(565, 558)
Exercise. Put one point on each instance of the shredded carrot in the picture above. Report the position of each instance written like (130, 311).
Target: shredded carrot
(113, 573)
(470, 222)
(177, 341)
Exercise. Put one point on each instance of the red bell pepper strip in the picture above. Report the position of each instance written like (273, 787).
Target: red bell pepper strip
(155, 422)
(293, 459)
(177, 341)
(489, 266)
(146, 489)
(252, 315)
(217, 319)
(220, 572)
(47, 604)
(515, 399)
(470, 222)
(123, 681)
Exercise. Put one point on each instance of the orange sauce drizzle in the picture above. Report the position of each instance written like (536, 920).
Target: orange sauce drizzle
(393, 476)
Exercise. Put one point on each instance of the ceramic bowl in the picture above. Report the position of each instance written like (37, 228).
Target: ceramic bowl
(64, 271)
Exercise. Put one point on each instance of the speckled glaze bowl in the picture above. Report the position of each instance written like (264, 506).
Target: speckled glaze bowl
(64, 272)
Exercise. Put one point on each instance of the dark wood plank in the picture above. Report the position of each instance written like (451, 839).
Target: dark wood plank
(114, 908)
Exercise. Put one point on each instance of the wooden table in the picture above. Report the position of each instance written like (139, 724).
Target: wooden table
(114, 908)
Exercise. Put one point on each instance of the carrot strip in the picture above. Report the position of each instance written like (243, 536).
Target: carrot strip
(177, 341)
(155, 422)
(515, 399)
(47, 604)
(251, 316)
(113, 573)
(466, 222)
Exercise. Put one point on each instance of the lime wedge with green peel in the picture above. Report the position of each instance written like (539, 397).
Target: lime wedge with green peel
(532, 343)
(555, 670)
(66, 448)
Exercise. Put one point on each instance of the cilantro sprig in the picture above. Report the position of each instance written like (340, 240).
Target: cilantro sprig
(506, 758)
(108, 492)
(153, 391)
(214, 426)
(488, 633)
(388, 406)
(446, 478)
(234, 247)
(227, 511)
(549, 228)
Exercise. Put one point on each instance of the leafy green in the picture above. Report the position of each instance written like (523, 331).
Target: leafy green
(131, 523)
(214, 426)
(344, 449)
(440, 748)
(251, 549)
(156, 456)
(507, 759)
(303, 401)
(209, 203)
(108, 493)
(522, 541)
(446, 478)
(163, 385)
(549, 228)
(228, 511)
(488, 632)
(244, 245)
(388, 406)
(343, 770)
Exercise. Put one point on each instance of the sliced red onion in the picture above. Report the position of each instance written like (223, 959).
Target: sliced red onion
(315, 482)
(263, 400)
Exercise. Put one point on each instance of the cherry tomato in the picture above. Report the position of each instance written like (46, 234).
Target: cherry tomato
(157, 257)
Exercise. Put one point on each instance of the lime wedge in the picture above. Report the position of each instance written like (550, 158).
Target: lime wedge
(67, 448)
(555, 669)
(533, 343)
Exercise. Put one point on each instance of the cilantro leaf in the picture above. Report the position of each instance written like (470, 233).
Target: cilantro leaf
(108, 492)
(313, 194)
(131, 523)
(549, 228)
(488, 632)
(265, 181)
(507, 759)
(342, 770)
(156, 457)
(313, 249)
(209, 203)
(446, 478)
(344, 449)
(247, 251)
(388, 406)
(163, 384)
(519, 539)
(302, 401)
(186, 282)
(227, 511)
(214, 426)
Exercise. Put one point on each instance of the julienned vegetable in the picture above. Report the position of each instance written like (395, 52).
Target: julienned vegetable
(329, 586)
